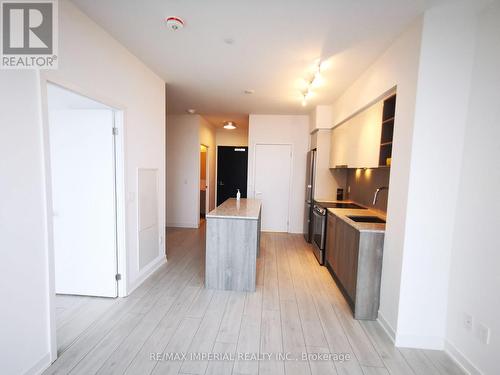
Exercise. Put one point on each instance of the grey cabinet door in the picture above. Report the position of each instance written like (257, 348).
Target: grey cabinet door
(340, 252)
(330, 248)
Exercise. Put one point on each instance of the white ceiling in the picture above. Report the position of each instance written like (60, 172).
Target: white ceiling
(275, 42)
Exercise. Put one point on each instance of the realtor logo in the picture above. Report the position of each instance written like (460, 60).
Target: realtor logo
(29, 35)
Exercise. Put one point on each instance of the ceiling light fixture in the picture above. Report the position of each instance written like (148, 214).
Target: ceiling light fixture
(191, 111)
(314, 81)
(230, 125)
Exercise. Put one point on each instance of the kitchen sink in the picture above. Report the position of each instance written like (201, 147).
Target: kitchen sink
(366, 219)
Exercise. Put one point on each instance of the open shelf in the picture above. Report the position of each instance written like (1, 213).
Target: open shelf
(387, 132)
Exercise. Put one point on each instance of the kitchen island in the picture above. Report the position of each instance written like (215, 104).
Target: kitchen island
(232, 245)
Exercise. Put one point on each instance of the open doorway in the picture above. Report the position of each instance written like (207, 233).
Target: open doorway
(204, 185)
(85, 188)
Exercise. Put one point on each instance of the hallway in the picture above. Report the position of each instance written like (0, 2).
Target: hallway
(296, 309)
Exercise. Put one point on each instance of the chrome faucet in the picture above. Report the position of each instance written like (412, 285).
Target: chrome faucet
(378, 191)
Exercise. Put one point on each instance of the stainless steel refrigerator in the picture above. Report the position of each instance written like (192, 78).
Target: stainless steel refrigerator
(308, 206)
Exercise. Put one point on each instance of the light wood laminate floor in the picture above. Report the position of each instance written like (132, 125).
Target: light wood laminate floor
(296, 309)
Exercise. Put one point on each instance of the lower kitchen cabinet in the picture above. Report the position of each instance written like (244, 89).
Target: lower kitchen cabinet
(355, 260)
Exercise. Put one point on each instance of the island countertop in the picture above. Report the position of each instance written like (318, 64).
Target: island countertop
(245, 208)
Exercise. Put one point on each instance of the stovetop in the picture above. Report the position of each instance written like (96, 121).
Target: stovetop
(339, 205)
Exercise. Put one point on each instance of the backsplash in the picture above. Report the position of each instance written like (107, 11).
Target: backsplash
(364, 182)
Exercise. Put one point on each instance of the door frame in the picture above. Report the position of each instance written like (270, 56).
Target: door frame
(254, 157)
(120, 223)
(207, 173)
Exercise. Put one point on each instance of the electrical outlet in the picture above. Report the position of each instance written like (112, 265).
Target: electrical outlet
(483, 333)
(468, 322)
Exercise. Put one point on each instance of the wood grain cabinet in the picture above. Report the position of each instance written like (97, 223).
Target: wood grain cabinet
(355, 260)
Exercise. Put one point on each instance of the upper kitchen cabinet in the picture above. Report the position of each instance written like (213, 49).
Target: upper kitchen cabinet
(365, 140)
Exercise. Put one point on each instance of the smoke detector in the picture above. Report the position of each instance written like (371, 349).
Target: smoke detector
(174, 23)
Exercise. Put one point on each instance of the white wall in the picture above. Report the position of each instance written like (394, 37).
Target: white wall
(398, 66)
(236, 137)
(183, 170)
(283, 129)
(185, 133)
(207, 137)
(474, 274)
(446, 58)
(23, 243)
(320, 118)
(93, 63)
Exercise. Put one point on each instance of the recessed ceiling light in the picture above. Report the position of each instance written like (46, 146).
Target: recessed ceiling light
(174, 23)
(229, 125)
(249, 91)
(191, 111)
(229, 41)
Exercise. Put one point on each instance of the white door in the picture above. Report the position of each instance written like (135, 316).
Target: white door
(83, 195)
(272, 184)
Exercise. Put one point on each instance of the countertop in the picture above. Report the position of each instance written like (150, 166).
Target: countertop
(245, 208)
(342, 214)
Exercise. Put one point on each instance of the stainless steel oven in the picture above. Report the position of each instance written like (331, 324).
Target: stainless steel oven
(319, 233)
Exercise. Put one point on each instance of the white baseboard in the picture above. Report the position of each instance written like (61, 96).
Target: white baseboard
(39, 367)
(387, 327)
(146, 272)
(461, 359)
(182, 225)
(419, 342)
(429, 343)
(410, 341)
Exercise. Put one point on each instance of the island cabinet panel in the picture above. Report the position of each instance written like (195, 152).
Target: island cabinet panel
(231, 254)
(233, 245)
(355, 260)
